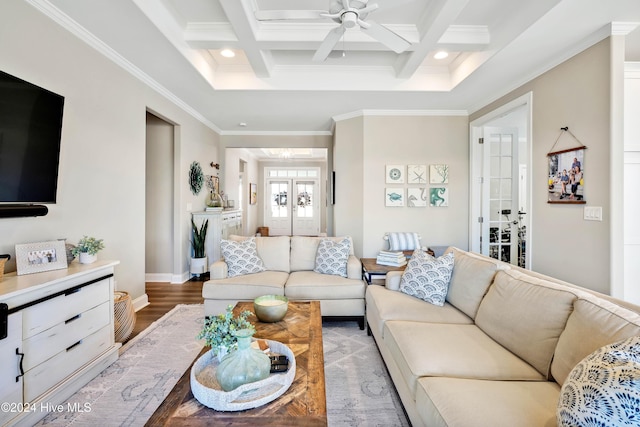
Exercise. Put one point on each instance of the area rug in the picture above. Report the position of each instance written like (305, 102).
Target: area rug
(359, 391)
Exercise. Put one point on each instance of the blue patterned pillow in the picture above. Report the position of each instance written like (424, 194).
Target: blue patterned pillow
(241, 257)
(331, 257)
(604, 388)
(427, 277)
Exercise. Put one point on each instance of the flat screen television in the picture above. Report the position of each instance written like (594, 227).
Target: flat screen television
(30, 131)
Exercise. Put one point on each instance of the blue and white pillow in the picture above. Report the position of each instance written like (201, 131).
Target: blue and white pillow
(604, 388)
(403, 241)
(241, 257)
(332, 257)
(427, 277)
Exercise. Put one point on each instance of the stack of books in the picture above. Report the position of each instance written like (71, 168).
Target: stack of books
(391, 258)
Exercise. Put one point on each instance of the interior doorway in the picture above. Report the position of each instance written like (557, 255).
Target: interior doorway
(500, 147)
(159, 199)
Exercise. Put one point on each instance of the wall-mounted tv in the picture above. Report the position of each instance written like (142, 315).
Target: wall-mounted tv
(30, 131)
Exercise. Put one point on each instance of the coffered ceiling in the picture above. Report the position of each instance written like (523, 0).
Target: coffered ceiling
(274, 85)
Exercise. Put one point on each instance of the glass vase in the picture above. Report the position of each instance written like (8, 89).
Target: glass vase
(243, 366)
(213, 200)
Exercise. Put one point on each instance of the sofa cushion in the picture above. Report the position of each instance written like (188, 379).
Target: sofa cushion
(241, 257)
(246, 287)
(526, 315)
(593, 323)
(274, 251)
(604, 388)
(464, 402)
(427, 277)
(332, 256)
(444, 350)
(472, 274)
(384, 304)
(304, 250)
(310, 286)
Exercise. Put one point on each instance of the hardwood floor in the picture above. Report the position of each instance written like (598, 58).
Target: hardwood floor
(163, 297)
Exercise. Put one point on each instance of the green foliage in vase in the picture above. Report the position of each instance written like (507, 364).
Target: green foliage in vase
(219, 331)
(87, 244)
(199, 235)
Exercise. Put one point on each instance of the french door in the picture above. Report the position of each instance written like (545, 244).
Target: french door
(503, 233)
(292, 206)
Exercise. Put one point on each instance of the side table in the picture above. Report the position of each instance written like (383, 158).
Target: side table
(371, 268)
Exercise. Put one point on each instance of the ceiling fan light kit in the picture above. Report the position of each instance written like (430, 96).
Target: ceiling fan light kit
(348, 15)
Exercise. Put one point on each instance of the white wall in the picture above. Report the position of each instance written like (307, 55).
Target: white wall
(101, 188)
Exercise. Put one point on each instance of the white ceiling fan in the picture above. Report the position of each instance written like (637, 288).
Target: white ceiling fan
(347, 13)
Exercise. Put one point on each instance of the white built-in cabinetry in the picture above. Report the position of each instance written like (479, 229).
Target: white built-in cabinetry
(222, 224)
(60, 335)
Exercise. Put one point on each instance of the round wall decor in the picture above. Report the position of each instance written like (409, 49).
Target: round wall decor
(196, 178)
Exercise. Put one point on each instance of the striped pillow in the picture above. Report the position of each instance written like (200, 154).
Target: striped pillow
(403, 241)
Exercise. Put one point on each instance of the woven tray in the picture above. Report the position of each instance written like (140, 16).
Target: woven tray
(206, 390)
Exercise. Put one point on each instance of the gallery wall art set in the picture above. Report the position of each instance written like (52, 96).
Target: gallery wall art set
(436, 195)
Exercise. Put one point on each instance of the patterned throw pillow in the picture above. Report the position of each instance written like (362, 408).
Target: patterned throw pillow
(241, 257)
(331, 257)
(604, 388)
(403, 241)
(427, 277)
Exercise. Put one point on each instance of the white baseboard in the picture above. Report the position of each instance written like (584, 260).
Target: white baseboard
(181, 278)
(158, 277)
(140, 302)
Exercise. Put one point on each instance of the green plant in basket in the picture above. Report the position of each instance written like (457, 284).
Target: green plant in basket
(219, 331)
(87, 244)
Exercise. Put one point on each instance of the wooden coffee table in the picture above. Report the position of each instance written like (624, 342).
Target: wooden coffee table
(304, 403)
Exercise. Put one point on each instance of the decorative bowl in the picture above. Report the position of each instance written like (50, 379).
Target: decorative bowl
(271, 308)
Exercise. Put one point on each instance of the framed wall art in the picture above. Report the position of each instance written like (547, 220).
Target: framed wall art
(417, 174)
(394, 197)
(438, 197)
(253, 194)
(39, 257)
(417, 197)
(394, 174)
(566, 176)
(439, 174)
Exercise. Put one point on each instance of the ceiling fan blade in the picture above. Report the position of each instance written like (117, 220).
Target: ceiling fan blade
(282, 15)
(387, 37)
(328, 44)
(367, 9)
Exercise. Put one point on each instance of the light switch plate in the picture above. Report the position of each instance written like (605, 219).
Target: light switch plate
(593, 213)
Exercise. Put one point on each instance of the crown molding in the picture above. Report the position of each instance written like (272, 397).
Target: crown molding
(80, 32)
(276, 133)
(398, 113)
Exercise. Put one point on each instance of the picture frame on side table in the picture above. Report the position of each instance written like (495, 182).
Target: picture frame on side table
(39, 257)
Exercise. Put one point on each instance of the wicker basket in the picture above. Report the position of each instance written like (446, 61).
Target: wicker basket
(124, 315)
(3, 261)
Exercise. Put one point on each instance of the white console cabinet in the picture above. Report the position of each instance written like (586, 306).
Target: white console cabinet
(59, 335)
(222, 224)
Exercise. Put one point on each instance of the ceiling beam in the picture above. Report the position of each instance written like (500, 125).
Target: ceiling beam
(434, 24)
(240, 15)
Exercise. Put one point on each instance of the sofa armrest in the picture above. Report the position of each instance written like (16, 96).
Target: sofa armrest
(392, 280)
(354, 268)
(219, 270)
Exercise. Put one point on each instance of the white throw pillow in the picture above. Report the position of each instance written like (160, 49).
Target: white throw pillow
(332, 257)
(427, 277)
(241, 257)
(604, 388)
(403, 241)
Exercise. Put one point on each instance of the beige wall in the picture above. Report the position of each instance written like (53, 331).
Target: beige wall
(365, 145)
(575, 94)
(101, 188)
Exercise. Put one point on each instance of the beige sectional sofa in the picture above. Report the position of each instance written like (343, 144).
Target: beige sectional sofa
(289, 263)
(498, 351)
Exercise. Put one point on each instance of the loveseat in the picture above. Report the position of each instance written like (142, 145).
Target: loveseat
(289, 263)
(500, 348)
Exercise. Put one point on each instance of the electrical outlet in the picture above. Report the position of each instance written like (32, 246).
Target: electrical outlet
(593, 213)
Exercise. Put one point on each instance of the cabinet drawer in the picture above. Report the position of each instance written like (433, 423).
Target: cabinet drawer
(46, 314)
(48, 374)
(44, 345)
(10, 389)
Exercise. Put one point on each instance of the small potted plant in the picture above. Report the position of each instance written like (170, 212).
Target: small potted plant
(199, 260)
(219, 331)
(87, 249)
